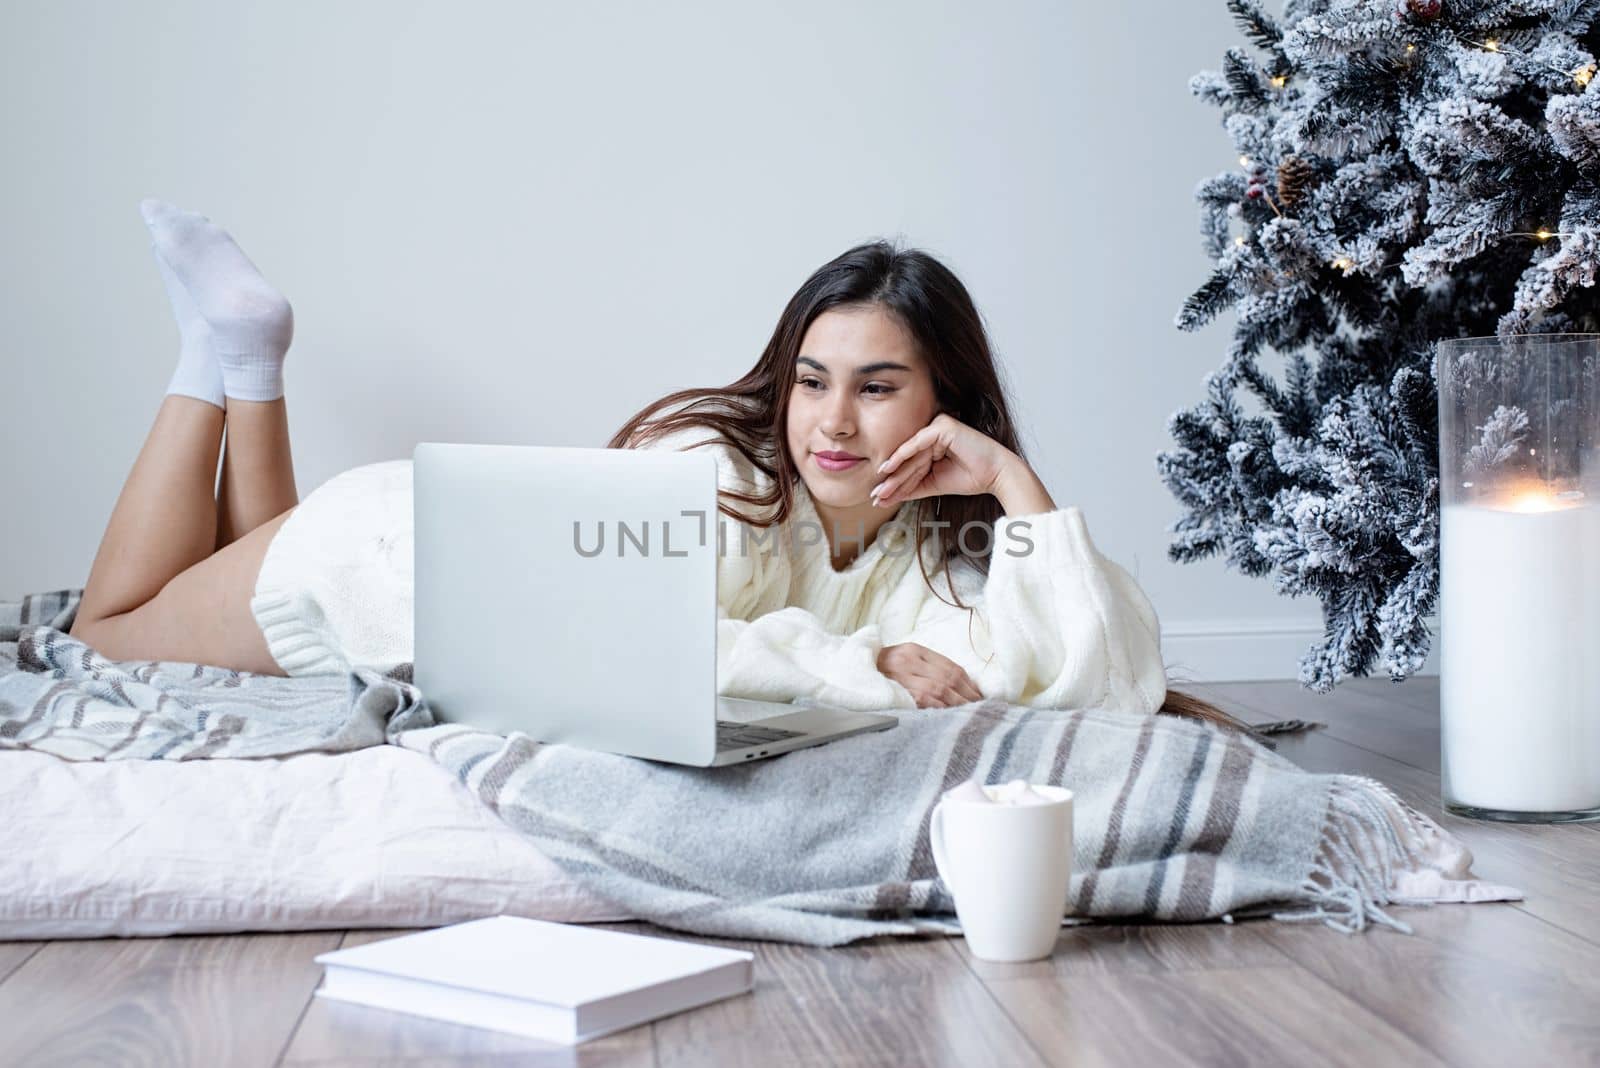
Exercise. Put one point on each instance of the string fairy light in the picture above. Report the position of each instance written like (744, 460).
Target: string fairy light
(1582, 76)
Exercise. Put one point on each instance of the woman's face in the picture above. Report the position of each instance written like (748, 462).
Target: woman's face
(860, 389)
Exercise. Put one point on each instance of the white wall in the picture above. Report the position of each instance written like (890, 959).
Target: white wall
(520, 222)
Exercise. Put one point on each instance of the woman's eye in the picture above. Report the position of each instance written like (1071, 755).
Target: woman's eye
(876, 389)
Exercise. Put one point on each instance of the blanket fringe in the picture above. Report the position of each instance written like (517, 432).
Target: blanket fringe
(1368, 829)
(1367, 833)
(1286, 726)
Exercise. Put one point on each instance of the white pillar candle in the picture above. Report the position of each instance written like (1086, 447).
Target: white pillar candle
(1519, 681)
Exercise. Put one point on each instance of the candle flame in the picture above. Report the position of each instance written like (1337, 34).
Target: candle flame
(1533, 502)
(1540, 499)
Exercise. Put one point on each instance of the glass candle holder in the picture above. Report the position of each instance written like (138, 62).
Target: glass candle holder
(1519, 577)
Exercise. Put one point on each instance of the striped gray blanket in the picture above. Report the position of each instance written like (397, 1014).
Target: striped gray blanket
(1175, 820)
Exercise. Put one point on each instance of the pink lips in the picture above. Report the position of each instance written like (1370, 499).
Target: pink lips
(829, 463)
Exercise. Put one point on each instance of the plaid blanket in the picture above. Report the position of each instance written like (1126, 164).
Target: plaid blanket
(1175, 820)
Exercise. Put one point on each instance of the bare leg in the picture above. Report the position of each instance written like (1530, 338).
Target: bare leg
(257, 469)
(166, 518)
(201, 616)
(156, 590)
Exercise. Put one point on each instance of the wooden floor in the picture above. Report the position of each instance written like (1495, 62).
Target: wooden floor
(1491, 984)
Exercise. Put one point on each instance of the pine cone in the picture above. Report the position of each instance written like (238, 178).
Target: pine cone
(1295, 179)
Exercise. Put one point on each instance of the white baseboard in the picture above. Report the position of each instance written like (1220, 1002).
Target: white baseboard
(1252, 650)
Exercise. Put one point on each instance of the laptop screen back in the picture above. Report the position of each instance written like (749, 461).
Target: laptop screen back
(569, 593)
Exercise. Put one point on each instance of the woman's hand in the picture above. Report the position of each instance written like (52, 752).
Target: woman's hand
(945, 457)
(934, 680)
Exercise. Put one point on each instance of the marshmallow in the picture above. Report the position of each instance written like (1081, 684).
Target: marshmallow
(1018, 792)
(1015, 792)
(970, 790)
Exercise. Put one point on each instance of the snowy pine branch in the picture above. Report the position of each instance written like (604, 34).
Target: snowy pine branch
(1407, 177)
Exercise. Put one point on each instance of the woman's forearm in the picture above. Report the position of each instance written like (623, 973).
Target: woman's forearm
(1020, 491)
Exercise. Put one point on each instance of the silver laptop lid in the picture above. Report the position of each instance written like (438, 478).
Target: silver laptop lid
(570, 593)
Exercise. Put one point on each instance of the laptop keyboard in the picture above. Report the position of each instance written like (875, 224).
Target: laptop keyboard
(731, 735)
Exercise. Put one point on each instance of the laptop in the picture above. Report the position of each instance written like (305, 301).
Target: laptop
(571, 594)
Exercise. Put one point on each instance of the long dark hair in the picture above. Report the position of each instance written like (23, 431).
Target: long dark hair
(935, 307)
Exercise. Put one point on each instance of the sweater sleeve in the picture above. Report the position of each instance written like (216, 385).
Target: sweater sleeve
(770, 651)
(788, 653)
(1056, 624)
(767, 650)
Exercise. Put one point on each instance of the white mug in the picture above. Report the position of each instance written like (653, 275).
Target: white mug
(1009, 868)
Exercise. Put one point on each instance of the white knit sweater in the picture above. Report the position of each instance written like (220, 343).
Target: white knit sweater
(1060, 626)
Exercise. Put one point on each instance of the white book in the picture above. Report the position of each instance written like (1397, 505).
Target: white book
(560, 982)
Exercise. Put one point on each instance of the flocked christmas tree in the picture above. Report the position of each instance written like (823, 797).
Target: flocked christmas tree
(1409, 170)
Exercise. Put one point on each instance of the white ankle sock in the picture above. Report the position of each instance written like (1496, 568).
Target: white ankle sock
(198, 373)
(250, 323)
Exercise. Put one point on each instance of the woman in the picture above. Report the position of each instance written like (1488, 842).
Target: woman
(906, 554)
